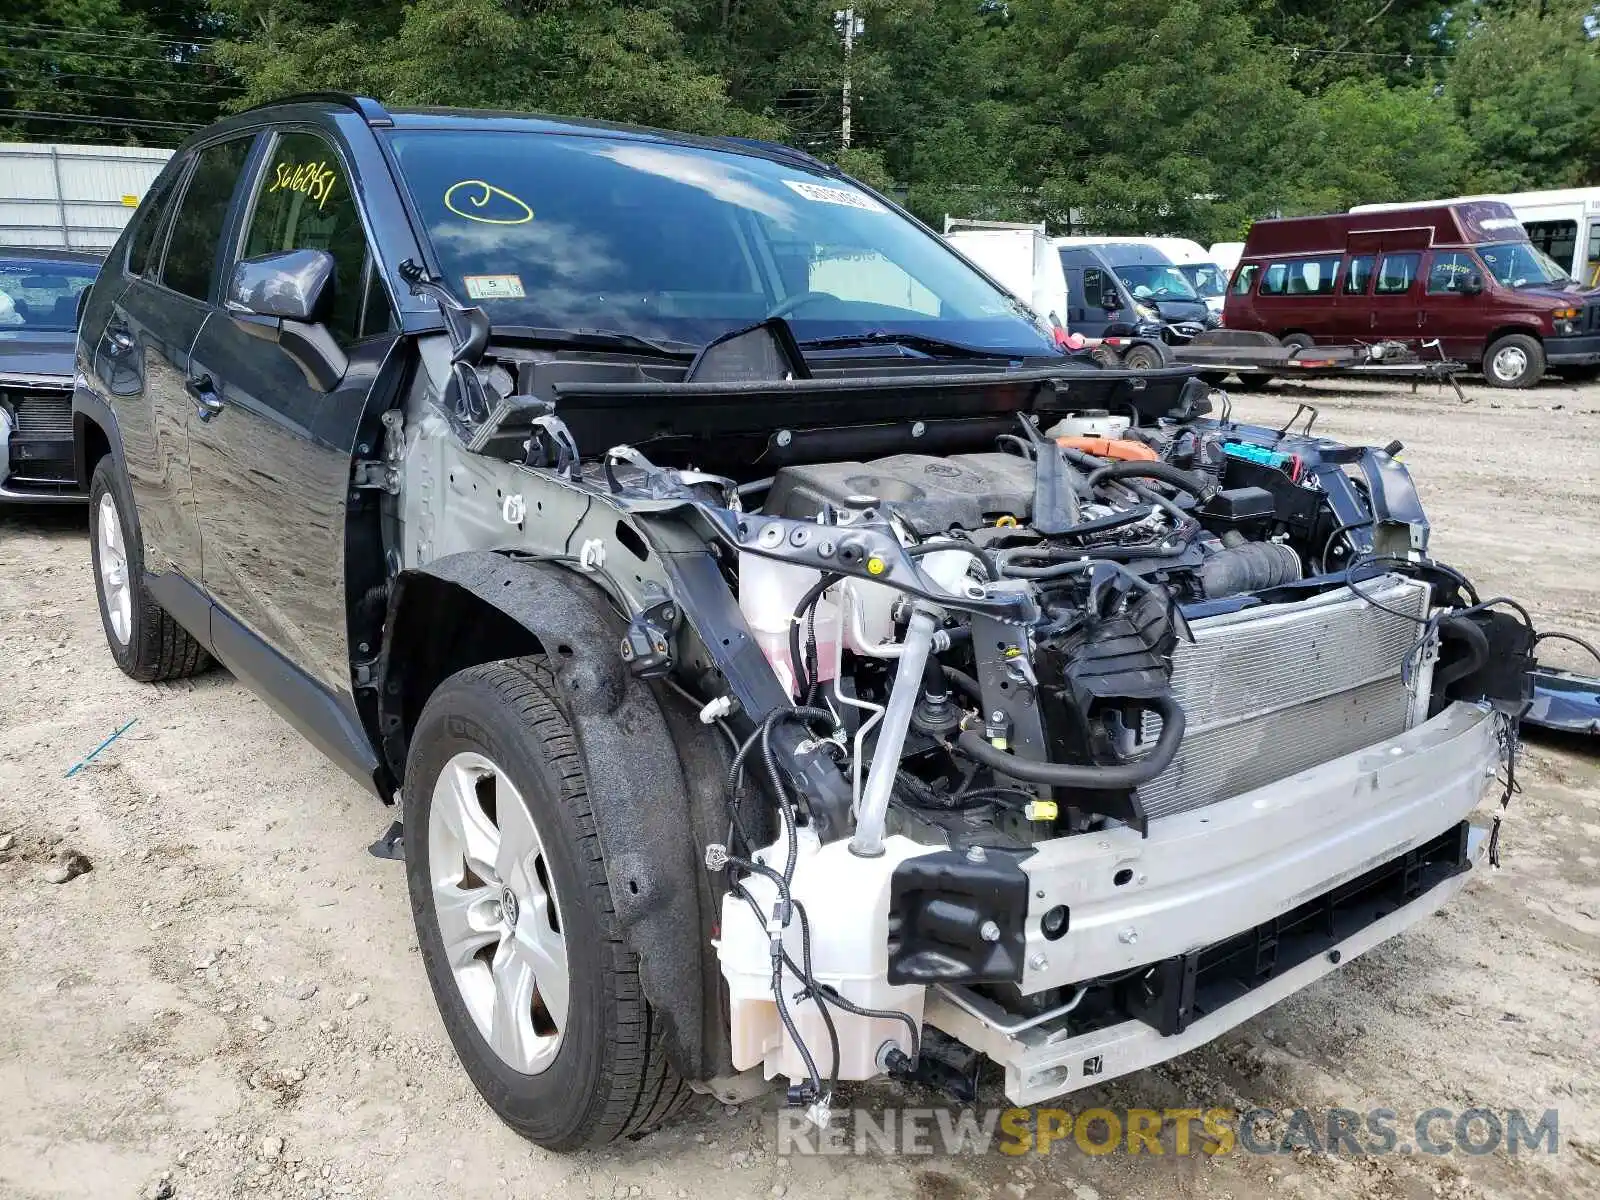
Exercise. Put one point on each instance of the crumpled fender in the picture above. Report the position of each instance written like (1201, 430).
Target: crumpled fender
(655, 775)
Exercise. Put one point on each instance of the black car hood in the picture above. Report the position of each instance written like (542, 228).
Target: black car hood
(36, 352)
(1180, 310)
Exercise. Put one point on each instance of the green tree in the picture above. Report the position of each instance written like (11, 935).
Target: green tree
(117, 71)
(1372, 142)
(1527, 86)
(616, 62)
(1150, 115)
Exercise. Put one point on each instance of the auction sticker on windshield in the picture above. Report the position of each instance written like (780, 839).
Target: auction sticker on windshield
(494, 287)
(833, 195)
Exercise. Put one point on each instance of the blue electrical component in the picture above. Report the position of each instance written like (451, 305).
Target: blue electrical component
(1259, 454)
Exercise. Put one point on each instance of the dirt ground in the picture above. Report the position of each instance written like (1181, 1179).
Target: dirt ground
(230, 1003)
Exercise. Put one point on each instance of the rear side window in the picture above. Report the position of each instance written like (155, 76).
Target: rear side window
(1358, 275)
(1396, 273)
(1245, 280)
(1448, 273)
(1302, 277)
(305, 203)
(202, 213)
(1558, 239)
(148, 220)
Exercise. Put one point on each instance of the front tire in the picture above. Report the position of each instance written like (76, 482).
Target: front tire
(515, 922)
(1514, 361)
(1144, 357)
(144, 639)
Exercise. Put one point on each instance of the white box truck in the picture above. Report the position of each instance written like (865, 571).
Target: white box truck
(1019, 257)
(66, 197)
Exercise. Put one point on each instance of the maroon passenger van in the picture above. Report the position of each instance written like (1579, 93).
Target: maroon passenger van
(1464, 274)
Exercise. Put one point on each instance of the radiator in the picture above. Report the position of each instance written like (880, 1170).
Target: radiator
(43, 414)
(1271, 691)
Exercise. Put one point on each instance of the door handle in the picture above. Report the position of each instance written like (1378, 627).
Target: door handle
(207, 403)
(119, 339)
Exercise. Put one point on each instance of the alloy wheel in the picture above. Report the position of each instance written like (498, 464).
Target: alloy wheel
(498, 917)
(115, 585)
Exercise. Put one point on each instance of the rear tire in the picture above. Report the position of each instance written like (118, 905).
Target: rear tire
(1514, 361)
(593, 1066)
(147, 644)
(1298, 340)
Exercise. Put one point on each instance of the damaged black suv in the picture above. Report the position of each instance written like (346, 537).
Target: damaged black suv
(787, 661)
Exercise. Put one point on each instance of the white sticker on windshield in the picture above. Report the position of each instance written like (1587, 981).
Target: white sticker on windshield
(494, 287)
(833, 195)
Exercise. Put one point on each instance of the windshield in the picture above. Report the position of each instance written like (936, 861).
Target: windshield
(1207, 279)
(1522, 264)
(683, 244)
(1156, 282)
(41, 293)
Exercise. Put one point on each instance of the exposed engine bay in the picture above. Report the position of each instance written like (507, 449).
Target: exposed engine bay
(1036, 704)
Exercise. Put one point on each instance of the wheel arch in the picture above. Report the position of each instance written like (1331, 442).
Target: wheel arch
(1501, 331)
(94, 434)
(654, 771)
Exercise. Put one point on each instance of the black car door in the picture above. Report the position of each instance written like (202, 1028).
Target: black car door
(142, 354)
(271, 452)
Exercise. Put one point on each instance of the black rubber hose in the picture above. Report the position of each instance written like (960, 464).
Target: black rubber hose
(1185, 481)
(1251, 567)
(1477, 651)
(965, 683)
(978, 552)
(1113, 777)
(1556, 636)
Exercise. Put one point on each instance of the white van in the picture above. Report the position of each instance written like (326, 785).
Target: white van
(1226, 255)
(1197, 265)
(1564, 223)
(1020, 258)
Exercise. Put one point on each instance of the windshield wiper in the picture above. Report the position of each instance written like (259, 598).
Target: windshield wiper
(580, 338)
(911, 341)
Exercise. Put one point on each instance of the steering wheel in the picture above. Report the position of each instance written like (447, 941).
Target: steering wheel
(799, 300)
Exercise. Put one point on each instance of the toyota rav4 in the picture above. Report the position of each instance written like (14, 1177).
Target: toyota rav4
(786, 661)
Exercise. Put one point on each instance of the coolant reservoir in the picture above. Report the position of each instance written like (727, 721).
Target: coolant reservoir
(1092, 422)
(846, 899)
(769, 592)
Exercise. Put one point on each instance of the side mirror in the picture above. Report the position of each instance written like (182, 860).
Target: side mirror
(290, 284)
(279, 297)
(1472, 285)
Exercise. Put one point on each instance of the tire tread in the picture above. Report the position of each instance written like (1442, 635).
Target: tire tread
(642, 1091)
(160, 648)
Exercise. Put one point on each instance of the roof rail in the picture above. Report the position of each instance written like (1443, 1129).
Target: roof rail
(779, 150)
(370, 110)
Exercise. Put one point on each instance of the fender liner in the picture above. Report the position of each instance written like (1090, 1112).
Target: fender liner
(655, 778)
(89, 408)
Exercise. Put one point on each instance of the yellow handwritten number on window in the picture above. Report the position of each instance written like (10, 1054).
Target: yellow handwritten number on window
(480, 201)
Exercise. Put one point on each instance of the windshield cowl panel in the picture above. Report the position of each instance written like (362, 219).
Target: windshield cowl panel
(681, 244)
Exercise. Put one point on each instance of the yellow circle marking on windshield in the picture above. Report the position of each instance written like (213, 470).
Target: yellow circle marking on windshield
(487, 192)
